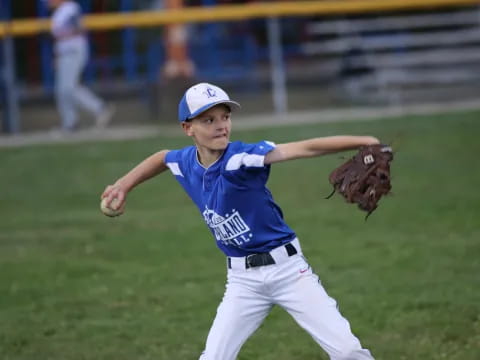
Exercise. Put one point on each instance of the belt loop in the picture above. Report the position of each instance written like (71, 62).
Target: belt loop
(290, 249)
(229, 262)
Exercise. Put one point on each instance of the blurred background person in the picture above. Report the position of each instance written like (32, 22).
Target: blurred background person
(71, 56)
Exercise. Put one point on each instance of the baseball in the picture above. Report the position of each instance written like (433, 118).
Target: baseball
(108, 210)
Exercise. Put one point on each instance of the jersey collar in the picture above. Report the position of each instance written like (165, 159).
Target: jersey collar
(197, 159)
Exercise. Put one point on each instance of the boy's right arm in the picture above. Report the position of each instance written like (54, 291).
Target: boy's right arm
(148, 168)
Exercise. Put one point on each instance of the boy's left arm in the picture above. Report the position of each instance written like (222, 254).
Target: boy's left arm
(317, 146)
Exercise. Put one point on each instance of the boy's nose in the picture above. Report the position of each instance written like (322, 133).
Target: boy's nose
(221, 125)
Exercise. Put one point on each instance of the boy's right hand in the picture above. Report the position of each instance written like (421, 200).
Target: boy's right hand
(113, 200)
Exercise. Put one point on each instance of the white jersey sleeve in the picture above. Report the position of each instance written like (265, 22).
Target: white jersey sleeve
(245, 163)
(250, 156)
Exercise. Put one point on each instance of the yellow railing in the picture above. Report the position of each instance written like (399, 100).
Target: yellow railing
(111, 21)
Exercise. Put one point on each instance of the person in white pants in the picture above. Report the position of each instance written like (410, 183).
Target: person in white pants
(71, 56)
(266, 267)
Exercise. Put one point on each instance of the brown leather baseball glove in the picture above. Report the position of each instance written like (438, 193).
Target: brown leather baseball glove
(365, 178)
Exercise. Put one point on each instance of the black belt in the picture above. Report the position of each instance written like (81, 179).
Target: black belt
(262, 259)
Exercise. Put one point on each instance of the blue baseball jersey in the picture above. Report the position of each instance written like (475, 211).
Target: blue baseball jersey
(233, 198)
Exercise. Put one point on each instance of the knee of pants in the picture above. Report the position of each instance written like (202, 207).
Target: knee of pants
(65, 94)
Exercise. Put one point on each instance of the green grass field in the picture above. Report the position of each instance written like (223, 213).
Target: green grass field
(77, 285)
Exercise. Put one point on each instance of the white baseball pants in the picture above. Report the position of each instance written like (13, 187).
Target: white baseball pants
(251, 293)
(70, 94)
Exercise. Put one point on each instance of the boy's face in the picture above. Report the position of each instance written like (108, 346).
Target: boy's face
(211, 129)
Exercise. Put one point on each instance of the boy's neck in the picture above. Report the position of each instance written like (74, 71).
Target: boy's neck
(207, 157)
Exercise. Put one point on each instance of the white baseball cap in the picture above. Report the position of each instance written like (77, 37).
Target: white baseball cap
(200, 98)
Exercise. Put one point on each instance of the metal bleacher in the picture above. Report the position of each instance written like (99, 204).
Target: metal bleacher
(398, 58)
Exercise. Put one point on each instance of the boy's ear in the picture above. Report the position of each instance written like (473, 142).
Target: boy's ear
(187, 128)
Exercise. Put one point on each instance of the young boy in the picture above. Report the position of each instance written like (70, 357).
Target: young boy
(266, 267)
